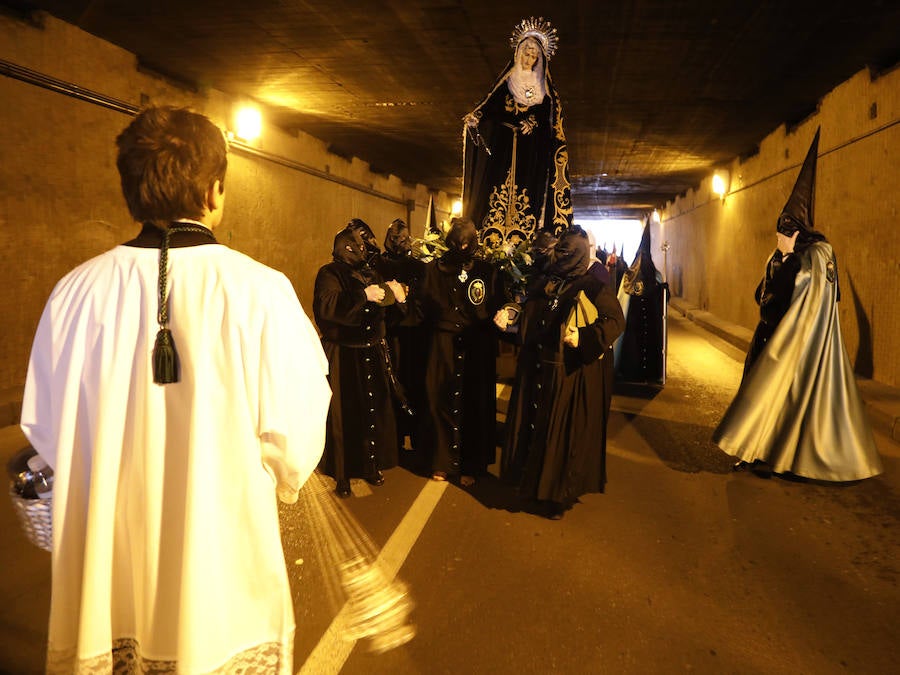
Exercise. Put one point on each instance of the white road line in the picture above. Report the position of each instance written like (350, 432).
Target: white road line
(333, 650)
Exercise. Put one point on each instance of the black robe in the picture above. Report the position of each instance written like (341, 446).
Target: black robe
(773, 295)
(556, 429)
(407, 342)
(640, 352)
(362, 433)
(459, 432)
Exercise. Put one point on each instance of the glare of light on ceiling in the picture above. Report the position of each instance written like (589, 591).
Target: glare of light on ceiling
(720, 183)
(248, 123)
(456, 207)
(656, 217)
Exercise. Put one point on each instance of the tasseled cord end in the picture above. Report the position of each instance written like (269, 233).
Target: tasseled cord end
(165, 358)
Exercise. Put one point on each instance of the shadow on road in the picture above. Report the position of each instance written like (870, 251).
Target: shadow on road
(681, 446)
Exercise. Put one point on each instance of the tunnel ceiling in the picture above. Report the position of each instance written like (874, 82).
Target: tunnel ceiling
(655, 92)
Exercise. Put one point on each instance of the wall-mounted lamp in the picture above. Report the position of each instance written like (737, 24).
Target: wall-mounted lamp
(720, 183)
(456, 207)
(247, 123)
(656, 217)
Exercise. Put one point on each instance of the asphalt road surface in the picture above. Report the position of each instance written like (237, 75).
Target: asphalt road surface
(681, 566)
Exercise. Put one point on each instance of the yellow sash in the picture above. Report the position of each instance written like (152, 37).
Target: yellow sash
(582, 314)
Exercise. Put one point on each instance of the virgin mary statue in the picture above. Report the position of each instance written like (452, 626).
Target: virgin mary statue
(516, 163)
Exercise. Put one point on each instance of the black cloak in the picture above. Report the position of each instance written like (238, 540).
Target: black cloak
(457, 300)
(406, 339)
(640, 352)
(361, 434)
(555, 445)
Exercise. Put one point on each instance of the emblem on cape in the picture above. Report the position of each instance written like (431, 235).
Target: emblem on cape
(476, 292)
(631, 284)
(462, 276)
(829, 271)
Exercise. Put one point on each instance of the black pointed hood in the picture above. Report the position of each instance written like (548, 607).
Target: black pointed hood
(644, 247)
(641, 276)
(798, 212)
(431, 221)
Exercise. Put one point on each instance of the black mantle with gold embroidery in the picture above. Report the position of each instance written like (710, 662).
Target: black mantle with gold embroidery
(516, 166)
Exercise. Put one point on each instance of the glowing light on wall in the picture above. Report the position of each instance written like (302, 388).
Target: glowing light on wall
(720, 183)
(456, 207)
(248, 123)
(656, 217)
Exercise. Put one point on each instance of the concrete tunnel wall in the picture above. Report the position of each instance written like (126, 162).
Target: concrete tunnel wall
(718, 247)
(60, 201)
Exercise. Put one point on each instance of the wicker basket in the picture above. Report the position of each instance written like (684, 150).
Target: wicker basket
(36, 518)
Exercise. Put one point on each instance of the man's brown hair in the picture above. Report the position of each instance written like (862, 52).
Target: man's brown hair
(168, 160)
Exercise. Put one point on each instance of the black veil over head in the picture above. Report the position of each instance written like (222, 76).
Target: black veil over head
(542, 249)
(461, 241)
(572, 254)
(349, 249)
(396, 240)
(365, 233)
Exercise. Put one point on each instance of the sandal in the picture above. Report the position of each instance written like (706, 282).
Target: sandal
(467, 481)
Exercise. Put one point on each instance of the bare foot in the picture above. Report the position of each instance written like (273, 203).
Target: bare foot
(439, 476)
(467, 481)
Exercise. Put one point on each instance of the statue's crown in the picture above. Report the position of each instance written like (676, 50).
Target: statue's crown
(540, 30)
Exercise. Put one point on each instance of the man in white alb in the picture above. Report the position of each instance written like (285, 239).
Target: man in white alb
(176, 387)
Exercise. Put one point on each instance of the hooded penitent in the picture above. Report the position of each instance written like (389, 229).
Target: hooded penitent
(640, 352)
(515, 167)
(367, 236)
(542, 250)
(798, 211)
(362, 433)
(798, 407)
(571, 255)
(396, 240)
(461, 242)
(457, 299)
(406, 339)
(349, 249)
(556, 417)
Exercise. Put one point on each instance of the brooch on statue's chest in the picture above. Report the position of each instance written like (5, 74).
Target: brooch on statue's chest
(476, 292)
